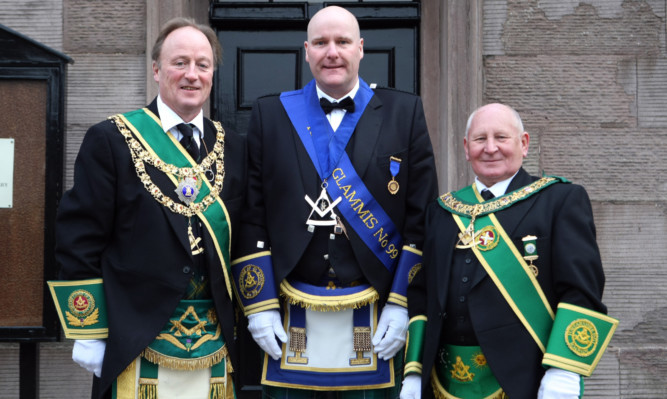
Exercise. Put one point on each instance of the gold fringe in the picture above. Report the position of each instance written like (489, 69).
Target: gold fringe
(221, 388)
(230, 386)
(175, 363)
(147, 388)
(327, 304)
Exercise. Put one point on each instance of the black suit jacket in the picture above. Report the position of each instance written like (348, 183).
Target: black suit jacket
(110, 226)
(570, 270)
(280, 173)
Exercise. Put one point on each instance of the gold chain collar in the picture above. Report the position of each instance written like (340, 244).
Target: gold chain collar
(472, 210)
(140, 157)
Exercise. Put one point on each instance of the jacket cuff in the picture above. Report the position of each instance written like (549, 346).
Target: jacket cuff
(81, 307)
(409, 264)
(414, 346)
(578, 339)
(254, 284)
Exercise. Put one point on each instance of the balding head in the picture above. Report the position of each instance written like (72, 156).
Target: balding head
(495, 143)
(334, 50)
(342, 17)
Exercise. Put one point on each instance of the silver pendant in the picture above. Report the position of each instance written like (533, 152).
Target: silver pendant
(187, 190)
(323, 207)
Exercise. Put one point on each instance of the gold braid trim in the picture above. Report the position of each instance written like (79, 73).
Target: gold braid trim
(222, 387)
(467, 209)
(327, 304)
(230, 369)
(176, 363)
(141, 156)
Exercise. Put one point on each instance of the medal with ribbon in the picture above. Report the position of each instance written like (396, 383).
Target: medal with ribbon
(394, 167)
(530, 252)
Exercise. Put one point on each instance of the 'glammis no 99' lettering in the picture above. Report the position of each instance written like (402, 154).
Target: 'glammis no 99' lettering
(356, 204)
(366, 216)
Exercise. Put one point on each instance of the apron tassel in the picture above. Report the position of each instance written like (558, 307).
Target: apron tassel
(147, 388)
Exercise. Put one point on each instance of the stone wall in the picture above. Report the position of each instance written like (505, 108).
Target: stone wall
(590, 80)
(106, 40)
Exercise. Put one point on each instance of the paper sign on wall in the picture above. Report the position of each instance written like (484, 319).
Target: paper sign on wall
(6, 172)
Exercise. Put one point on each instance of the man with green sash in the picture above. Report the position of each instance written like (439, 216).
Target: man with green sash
(144, 236)
(508, 301)
(339, 177)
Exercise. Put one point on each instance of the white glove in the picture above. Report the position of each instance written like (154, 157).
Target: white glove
(89, 353)
(265, 327)
(559, 384)
(393, 326)
(412, 387)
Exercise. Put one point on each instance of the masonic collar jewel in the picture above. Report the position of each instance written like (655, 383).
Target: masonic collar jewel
(530, 252)
(188, 189)
(324, 208)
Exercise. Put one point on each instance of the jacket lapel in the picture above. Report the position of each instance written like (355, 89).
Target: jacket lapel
(177, 222)
(366, 135)
(445, 256)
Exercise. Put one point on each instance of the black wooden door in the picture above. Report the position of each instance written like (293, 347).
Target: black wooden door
(263, 53)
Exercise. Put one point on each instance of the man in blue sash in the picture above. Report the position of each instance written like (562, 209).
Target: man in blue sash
(339, 176)
(508, 302)
(144, 236)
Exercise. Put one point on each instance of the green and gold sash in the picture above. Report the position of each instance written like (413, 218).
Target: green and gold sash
(573, 339)
(163, 151)
(481, 231)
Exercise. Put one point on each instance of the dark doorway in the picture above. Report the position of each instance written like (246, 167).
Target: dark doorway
(263, 53)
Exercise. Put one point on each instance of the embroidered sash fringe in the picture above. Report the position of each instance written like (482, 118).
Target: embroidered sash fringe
(185, 364)
(349, 298)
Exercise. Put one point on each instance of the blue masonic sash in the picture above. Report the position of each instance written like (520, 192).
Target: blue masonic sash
(327, 152)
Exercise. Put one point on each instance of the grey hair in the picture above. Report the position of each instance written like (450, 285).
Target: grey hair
(517, 119)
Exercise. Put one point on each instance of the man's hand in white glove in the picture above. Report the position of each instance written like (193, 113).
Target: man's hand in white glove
(390, 334)
(89, 353)
(265, 327)
(412, 387)
(559, 384)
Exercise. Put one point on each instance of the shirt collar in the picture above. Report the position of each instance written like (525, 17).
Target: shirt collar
(170, 119)
(497, 189)
(351, 93)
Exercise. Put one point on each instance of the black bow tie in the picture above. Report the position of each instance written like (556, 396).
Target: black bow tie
(347, 104)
